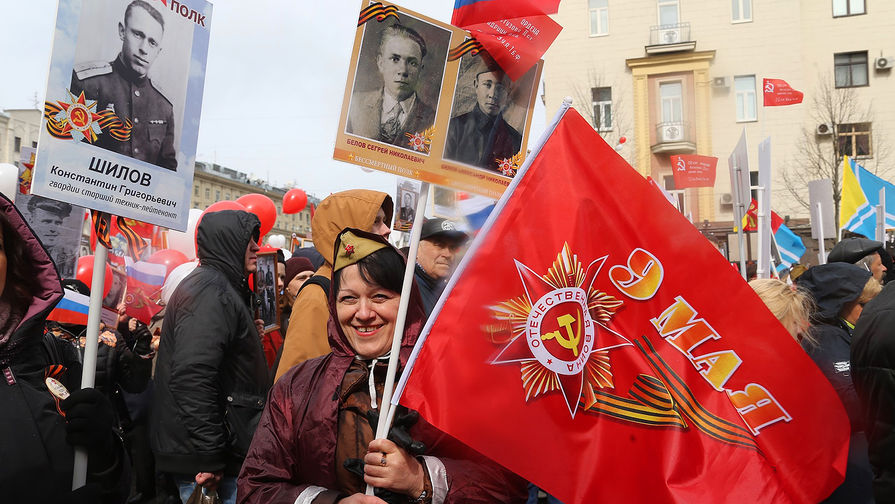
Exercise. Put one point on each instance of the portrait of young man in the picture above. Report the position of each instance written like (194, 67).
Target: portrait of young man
(489, 114)
(128, 87)
(57, 225)
(398, 79)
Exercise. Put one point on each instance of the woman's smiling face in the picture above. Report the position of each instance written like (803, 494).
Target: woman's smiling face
(366, 313)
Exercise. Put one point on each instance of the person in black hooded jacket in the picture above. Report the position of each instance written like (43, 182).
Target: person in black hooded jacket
(840, 291)
(39, 430)
(211, 376)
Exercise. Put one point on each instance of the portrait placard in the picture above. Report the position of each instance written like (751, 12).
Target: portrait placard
(265, 287)
(58, 227)
(426, 102)
(121, 117)
(408, 192)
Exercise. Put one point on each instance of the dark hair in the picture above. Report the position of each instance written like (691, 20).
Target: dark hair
(399, 30)
(19, 270)
(384, 268)
(148, 8)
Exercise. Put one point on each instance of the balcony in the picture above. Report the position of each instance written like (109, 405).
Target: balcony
(670, 38)
(673, 138)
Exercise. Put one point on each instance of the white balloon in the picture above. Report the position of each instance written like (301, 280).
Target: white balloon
(174, 278)
(185, 241)
(276, 241)
(9, 180)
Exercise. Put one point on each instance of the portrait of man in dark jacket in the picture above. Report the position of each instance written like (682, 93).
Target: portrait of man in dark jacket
(211, 375)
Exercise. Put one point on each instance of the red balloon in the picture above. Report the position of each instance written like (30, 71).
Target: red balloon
(84, 273)
(263, 207)
(294, 201)
(622, 140)
(170, 258)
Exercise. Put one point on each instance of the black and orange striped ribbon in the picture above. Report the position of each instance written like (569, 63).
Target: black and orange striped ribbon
(135, 243)
(110, 123)
(102, 227)
(471, 46)
(378, 11)
(54, 128)
(54, 371)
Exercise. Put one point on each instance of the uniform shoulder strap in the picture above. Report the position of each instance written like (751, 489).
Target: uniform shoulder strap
(92, 69)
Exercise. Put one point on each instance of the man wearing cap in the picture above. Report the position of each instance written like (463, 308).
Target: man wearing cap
(394, 110)
(123, 87)
(46, 217)
(440, 241)
(861, 252)
(482, 137)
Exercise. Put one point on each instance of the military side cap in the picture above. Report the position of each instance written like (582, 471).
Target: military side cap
(852, 250)
(442, 227)
(60, 208)
(352, 248)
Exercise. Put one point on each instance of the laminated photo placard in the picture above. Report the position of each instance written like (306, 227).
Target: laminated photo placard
(121, 116)
(425, 101)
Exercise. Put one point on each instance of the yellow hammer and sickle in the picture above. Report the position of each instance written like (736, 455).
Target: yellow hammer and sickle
(571, 342)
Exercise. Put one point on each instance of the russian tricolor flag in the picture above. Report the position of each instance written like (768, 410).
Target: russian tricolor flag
(144, 287)
(71, 309)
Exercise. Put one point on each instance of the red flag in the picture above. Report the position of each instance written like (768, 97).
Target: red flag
(516, 33)
(777, 92)
(750, 220)
(144, 289)
(593, 342)
(693, 171)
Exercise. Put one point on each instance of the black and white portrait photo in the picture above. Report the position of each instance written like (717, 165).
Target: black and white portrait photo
(266, 290)
(398, 80)
(408, 191)
(133, 59)
(58, 226)
(488, 114)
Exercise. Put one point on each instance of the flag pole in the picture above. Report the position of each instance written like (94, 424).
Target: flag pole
(821, 253)
(385, 413)
(763, 227)
(741, 212)
(476, 243)
(881, 216)
(79, 475)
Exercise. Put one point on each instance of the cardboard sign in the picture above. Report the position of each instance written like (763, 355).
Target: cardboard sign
(423, 101)
(121, 117)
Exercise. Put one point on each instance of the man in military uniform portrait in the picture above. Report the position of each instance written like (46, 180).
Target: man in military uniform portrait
(481, 137)
(395, 109)
(46, 217)
(123, 86)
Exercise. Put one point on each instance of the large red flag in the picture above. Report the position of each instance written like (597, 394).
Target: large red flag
(594, 343)
(777, 92)
(516, 33)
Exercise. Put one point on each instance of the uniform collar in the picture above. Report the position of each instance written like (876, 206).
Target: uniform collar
(126, 72)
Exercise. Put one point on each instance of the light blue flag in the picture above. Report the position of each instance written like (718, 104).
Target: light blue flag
(871, 185)
(789, 245)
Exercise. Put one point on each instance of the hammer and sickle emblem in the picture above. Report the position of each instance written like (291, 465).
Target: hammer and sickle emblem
(570, 342)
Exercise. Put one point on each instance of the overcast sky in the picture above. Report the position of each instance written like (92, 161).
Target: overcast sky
(273, 90)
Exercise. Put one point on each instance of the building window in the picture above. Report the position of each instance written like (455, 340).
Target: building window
(850, 69)
(669, 13)
(34, 145)
(745, 91)
(18, 144)
(741, 11)
(679, 195)
(848, 7)
(854, 140)
(672, 104)
(599, 17)
(207, 193)
(602, 102)
(196, 190)
(217, 196)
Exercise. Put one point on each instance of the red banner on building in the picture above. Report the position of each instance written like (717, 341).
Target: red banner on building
(595, 343)
(777, 92)
(516, 33)
(693, 171)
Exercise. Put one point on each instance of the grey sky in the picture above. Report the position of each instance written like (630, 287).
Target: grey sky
(273, 91)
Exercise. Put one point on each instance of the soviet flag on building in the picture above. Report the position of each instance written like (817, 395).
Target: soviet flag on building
(595, 343)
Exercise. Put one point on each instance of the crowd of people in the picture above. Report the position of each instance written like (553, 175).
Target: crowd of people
(217, 405)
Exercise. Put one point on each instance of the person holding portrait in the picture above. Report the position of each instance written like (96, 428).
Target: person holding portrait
(315, 442)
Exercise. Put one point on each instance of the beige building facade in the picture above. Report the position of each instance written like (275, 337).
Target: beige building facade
(18, 128)
(685, 77)
(213, 183)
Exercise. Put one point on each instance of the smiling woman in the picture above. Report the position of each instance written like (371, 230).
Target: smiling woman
(323, 408)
